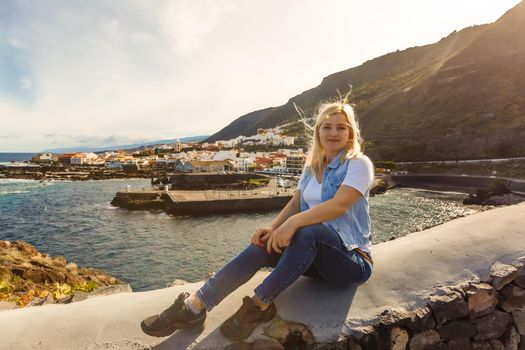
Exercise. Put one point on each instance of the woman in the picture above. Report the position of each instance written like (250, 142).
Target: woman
(323, 232)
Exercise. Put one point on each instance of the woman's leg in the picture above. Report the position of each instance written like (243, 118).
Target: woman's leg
(320, 247)
(234, 274)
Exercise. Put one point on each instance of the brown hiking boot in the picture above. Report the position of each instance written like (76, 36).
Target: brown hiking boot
(173, 318)
(243, 322)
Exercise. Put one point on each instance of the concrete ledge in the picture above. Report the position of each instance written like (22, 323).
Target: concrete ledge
(407, 271)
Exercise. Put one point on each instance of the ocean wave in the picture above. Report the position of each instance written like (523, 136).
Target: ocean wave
(14, 181)
(5, 193)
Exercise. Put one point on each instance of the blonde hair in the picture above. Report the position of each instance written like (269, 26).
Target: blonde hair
(324, 110)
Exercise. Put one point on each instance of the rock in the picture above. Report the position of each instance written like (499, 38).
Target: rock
(502, 274)
(280, 329)
(5, 273)
(353, 345)
(238, 346)
(38, 260)
(481, 300)
(394, 317)
(118, 288)
(24, 248)
(398, 339)
(511, 339)
(522, 343)
(481, 345)
(79, 296)
(5, 244)
(7, 305)
(438, 346)
(491, 326)
(424, 339)
(270, 344)
(459, 344)
(448, 307)
(519, 320)
(360, 332)
(496, 344)
(38, 301)
(177, 282)
(457, 329)
(513, 299)
(520, 278)
(71, 267)
(421, 320)
(65, 300)
(59, 261)
(294, 340)
(340, 344)
(375, 340)
(49, 299)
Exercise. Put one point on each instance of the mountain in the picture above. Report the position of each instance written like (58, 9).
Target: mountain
(124, 147)
(461, 97)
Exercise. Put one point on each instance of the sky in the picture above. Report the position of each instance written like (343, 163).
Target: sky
(100, 73)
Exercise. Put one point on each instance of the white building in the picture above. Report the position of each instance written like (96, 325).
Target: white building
(113, 164)
(225, 155)
(85, 158)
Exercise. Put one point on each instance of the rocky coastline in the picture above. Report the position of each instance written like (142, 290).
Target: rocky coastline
(31, 278)
(37, 172)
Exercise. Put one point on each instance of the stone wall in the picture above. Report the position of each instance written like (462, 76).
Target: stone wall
(478, 315)
(487, 314)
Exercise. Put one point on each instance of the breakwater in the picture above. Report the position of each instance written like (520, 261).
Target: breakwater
(458, 183)
(197, 203)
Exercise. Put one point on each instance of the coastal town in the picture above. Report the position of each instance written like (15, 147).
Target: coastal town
(270, 151)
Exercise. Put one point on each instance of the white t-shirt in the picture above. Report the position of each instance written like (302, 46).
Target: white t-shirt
(359, 175)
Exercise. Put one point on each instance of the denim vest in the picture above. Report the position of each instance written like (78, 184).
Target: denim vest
(353, 226)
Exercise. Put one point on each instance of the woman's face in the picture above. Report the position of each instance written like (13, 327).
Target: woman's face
(334, 133)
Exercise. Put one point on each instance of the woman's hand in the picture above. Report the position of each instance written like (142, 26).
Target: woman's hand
(260, 236)
(281, 236)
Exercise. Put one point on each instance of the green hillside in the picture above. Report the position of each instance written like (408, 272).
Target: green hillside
(462, 97)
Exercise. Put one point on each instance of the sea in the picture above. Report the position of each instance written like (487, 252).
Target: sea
(150, 249)
(15, 157)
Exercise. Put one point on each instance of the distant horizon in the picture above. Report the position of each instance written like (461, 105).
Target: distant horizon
(90, 146)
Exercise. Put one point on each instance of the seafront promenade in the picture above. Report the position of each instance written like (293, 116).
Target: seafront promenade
(407, 272)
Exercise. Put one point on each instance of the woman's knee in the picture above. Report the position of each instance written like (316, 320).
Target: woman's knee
(307, 234)
(260, 255)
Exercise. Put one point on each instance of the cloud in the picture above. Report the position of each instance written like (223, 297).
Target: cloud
(187, 23)
(26, 84)
(10, 136)
(99, 71)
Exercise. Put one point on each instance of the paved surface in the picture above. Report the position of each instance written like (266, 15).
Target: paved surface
(406, 271)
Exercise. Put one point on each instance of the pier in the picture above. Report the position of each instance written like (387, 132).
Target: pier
(205, 202)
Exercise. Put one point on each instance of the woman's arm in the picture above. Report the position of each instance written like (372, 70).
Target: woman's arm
(344, 198)
(263, 233)
(293, 207)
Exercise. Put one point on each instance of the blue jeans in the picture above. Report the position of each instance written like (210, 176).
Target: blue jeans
(316, 251)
